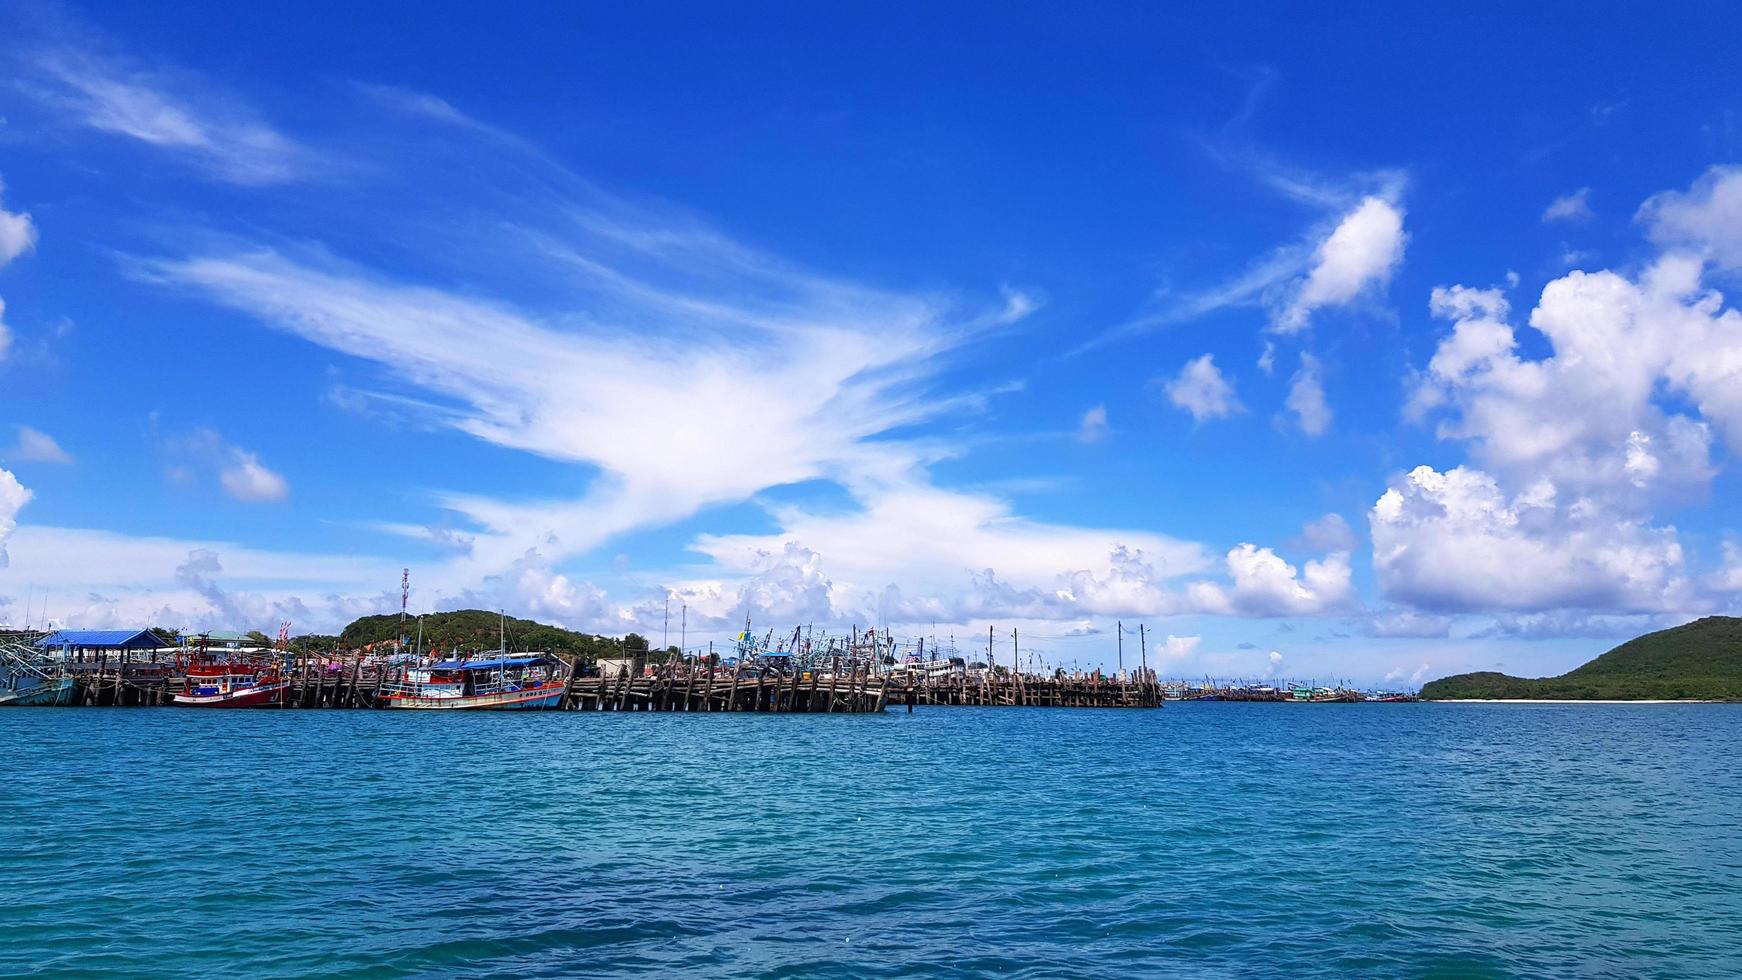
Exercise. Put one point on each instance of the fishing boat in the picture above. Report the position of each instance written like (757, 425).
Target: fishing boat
(497, 683)
(29, 679)
(236, 680)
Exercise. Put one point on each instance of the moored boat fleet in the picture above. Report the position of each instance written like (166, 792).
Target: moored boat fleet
(1207, 690)
(117, 667)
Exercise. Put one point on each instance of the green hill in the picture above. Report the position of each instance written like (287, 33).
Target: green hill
(1702, 659)
(477, 630)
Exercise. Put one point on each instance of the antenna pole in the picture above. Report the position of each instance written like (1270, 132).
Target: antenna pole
(404, 600)
(1143, 642)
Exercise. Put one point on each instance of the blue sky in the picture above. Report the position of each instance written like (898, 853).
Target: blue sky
(1377, 347)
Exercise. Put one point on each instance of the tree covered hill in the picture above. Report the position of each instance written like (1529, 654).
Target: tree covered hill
(477, 630)
(1702, 659)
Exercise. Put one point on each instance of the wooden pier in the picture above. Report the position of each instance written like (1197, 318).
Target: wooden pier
(679, 686)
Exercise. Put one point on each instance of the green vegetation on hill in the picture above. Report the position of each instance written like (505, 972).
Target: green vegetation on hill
(473, 630)
(1702, 660)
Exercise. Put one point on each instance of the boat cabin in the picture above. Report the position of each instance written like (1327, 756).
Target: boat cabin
(469, 678)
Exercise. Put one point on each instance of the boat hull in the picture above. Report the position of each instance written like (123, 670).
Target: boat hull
(50, 693)
(531, 699)
(254, 697)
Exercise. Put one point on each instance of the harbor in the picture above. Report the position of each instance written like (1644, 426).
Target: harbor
(863, 674)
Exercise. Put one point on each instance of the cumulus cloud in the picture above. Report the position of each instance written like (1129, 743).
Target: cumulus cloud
(203, 453)
(247, 479)
(1726, 582)
(1361, 253)
(1706, 217)
(1575, 206)
(13, 497)
(1575, 447)
(1200, 389)
(1264, 584)
(1306, 398)
(1589, 416)
(1352, 253)
(1273, 664)
(17, 232)
(1455, 542)
(1180, 647)
(36, 446)
(1092, 427)
(1328, 533)
(1415, 676)
(96, 579)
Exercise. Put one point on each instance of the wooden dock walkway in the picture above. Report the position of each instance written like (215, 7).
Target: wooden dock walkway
(673, 687)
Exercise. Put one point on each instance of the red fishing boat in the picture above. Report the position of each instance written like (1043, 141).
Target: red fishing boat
(237, 681)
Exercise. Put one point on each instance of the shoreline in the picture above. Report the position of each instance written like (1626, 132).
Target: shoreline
(1575, 701)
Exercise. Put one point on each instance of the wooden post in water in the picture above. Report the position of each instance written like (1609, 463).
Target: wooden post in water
(713, 669)
(737, 674)
(1143, 645)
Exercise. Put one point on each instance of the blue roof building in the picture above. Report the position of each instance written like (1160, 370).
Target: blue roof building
(100, 640)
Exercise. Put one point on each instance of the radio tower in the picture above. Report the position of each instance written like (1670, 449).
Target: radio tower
(404, 601)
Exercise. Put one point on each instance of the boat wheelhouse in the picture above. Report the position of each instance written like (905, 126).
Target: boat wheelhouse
(230, 683)
(497, 682)
(28, 678)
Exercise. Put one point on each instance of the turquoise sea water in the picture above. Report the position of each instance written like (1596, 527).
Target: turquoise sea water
(1200, 840)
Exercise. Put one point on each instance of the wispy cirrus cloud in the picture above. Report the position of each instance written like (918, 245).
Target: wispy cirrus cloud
(1351, 251)
(84, 84)
(36, 446)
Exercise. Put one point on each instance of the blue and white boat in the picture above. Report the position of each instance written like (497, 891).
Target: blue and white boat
(495, 683)
(29, 678)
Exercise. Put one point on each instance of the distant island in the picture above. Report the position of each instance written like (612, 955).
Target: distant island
(1699, 661)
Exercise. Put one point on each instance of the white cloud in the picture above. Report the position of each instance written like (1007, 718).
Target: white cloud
(1273, 664)
(1728, 579)
(1306, 398)
(1361, 253)
(1353, 252)
(1588, 416)
(1415, 676)
(1264, 584)
(17, 232)
(89, 578)
(174, 112)
(17, 236)
(13, 497)
(204, 454)
(1410, 623)
(1180, 647)
(1201, 390)
(914, 553)
(1328, 533)
(1454, 541)
(35, 446)
(1617, 418)
(247, 479)
(1093, 425)
(1706, 217)
(1575, 206)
